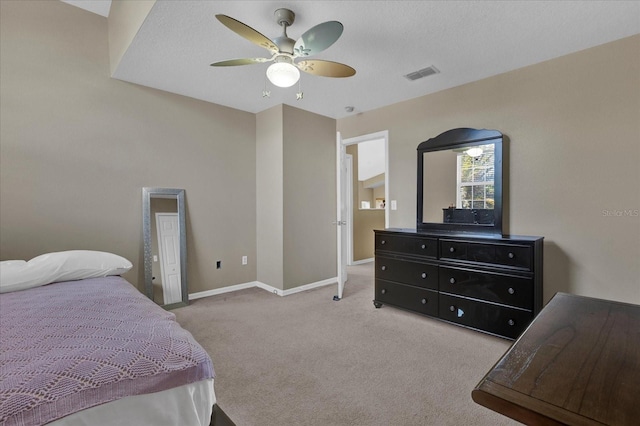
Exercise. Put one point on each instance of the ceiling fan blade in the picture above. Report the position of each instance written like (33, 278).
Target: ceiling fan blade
(318, 38)
(247, 32)
(326, 68)
(234, 62)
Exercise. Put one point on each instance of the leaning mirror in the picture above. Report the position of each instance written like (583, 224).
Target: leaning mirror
(460, 182)
(165, 246)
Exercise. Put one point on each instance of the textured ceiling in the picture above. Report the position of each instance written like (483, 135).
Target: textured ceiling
(101, 7)
(382, 40)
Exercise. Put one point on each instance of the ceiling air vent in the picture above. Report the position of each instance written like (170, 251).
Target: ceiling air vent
(424, 72)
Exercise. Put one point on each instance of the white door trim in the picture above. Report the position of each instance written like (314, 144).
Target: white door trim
(341, 145)
(341, 260)
(349, 209)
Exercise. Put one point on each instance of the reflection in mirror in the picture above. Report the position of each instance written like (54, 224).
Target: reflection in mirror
(371, 193)
(371, 168)
(460, 182)
(165, 246)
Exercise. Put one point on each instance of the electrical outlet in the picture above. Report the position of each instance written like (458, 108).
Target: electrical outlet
(244, 260)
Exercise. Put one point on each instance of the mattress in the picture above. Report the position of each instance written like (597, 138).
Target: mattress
(70, 346)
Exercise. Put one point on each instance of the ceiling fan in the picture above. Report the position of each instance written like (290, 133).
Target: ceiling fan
(284, 72)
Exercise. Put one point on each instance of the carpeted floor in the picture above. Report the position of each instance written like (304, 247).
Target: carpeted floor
(305, 359)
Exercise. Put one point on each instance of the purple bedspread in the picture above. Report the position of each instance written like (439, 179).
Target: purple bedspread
(72, 345)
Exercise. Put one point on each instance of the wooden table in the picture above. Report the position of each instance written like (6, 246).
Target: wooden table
(578, 363)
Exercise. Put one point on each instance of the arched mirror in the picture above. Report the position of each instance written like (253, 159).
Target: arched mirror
(460, 182)
(165, 246)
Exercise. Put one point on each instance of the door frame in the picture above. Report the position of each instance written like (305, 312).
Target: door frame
(341, 153)
(349, 209)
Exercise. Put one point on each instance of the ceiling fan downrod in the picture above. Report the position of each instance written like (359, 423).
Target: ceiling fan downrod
(284, 18)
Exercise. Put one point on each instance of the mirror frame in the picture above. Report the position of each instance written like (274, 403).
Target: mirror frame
(147, 194)
(462, 138)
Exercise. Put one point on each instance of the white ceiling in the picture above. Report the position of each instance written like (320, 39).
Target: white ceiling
(382, 40)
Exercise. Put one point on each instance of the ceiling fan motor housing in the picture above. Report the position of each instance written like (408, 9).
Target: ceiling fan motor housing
(285, 44)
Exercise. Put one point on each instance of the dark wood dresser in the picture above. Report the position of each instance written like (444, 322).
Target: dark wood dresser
(577, 364)
(490, 284)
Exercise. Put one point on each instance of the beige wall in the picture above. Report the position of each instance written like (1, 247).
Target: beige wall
(573, 149)
(364, 221)
(77, 147)
(296, 197)
(270, 207)
(309, 200)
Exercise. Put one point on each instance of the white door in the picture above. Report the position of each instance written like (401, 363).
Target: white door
(341, 178)
(169, 250)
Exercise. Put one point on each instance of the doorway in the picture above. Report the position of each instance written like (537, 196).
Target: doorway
(349, 212)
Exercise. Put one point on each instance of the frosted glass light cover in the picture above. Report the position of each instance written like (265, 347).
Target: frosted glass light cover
(283, 74)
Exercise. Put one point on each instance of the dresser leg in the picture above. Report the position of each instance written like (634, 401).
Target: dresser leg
(378, 305)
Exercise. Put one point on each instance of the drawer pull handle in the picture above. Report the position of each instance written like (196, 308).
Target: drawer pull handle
(384, 268)
(511, 255)
(511, 322)
(424, 301)
(511, 290)
(452, 249)
(383, 291)
(424, 275)
(424, 246)
(452, 280)
(382, 242)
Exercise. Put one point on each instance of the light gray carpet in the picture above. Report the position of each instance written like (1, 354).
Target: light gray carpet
(307, 360)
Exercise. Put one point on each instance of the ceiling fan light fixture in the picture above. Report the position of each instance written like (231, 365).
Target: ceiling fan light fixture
(283, 74)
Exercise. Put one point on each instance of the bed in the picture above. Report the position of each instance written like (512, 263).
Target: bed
(97, 351)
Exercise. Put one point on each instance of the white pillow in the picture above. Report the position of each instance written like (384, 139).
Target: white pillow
(60, 266)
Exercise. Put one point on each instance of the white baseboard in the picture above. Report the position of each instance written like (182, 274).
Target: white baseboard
(263, 286)
(306, 287)
(216, 291)
(363, 261)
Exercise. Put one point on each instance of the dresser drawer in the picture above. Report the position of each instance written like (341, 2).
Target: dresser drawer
(409, 245)
(501, 320)
(516, 256)
(509, 290)
(413, 298)
(407, 272)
